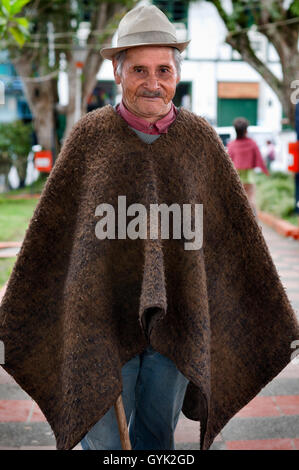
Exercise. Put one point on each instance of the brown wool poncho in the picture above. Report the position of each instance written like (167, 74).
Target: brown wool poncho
(71, 314)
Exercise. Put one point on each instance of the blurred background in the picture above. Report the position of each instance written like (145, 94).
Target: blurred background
(243, 61)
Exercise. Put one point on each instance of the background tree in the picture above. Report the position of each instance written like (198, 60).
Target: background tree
(12, 26)
(15, 145)
(54, 26)
(278, 21)
(20, 136)
(6, 160)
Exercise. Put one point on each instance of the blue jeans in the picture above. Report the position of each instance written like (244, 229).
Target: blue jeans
(153, 395)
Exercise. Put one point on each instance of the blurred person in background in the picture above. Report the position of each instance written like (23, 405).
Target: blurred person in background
(246, 156)
(270, 153)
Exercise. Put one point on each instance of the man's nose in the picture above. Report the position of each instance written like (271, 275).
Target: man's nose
(152, 83)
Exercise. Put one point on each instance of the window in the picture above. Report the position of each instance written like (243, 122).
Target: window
(176, 10)
(230, 108)
(248, 11)
(237, 99)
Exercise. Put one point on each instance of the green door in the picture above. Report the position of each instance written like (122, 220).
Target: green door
(231, 108)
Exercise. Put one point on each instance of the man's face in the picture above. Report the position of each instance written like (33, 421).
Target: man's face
(148, 81)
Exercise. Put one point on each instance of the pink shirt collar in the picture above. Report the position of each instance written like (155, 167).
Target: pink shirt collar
(159, 127)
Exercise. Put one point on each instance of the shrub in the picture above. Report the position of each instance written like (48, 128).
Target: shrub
(15, 145)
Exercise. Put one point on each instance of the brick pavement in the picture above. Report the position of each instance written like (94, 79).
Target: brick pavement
(270, 421)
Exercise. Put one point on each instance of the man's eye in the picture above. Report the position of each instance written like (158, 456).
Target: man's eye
(139, 70)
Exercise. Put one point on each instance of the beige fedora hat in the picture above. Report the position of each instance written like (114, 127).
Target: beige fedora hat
(144, 26)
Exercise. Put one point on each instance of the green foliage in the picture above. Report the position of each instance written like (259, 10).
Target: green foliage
(6, 160)
(294, 8)
(246, 13)
(15, 144)
(12, 26)
(276, 194)
(15, 138)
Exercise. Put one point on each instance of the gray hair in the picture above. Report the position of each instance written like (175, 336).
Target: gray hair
(120, 58)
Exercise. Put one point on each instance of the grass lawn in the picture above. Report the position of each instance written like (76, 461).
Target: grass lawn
(15, 215)
(6, 265)
(276, 195)
(14, 219)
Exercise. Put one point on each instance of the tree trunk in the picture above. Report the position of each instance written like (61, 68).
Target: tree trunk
(70, 109)
(41, 97)
(282, 35)
(290, 71)
(101, 21)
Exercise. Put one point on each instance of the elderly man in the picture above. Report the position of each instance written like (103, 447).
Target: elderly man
(148, 76)
(96, 308)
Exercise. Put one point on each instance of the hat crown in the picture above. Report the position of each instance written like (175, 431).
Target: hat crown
(145, 18)
(145, 25)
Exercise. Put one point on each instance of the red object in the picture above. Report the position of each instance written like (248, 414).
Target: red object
(43, 161)
(246, 154)
(281, 226)
(294, 151)
(159, 127)
(262, 444)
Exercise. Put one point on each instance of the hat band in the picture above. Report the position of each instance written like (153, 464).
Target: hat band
(146, 37)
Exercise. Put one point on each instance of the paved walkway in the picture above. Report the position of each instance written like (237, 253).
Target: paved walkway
(269, 421)
(9, 250)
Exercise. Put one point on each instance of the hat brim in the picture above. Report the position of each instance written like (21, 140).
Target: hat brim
(110, 52)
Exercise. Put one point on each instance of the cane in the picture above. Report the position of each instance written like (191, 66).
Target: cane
(122, 424)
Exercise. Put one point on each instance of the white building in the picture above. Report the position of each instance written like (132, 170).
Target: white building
(215, 81)
(213, 73)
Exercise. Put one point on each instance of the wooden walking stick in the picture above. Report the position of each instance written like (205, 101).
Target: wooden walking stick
(122, 424)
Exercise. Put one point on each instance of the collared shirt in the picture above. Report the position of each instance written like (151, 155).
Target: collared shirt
(159, 127)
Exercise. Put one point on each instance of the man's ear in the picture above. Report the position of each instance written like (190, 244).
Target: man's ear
(116, 76)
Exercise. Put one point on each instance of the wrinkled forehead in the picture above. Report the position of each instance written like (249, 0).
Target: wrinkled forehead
(150, 55)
